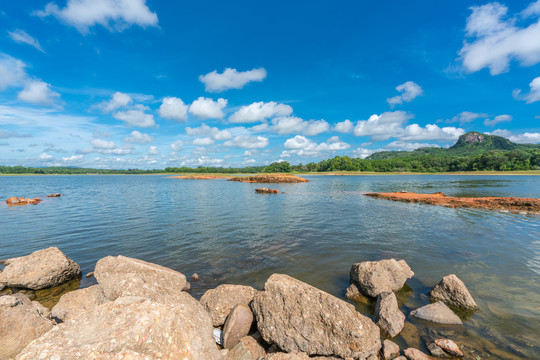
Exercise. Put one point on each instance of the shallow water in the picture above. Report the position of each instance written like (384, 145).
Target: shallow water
(227, 233)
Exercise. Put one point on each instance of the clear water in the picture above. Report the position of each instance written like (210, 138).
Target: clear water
(227, 233)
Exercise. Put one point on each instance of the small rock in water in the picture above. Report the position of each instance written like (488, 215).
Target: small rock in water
(449, 346)
(415, 354)
(436, 351)
(54, 195)
(387, 314)
(437, 312)
(375, 277)
(390, 350)
(267, 191)
(195, 277)
(90, 274)
(453, 291)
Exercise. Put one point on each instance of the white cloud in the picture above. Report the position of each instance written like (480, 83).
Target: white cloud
(248, 142)
(292, 124)
(12, 71)
(496, 40)
(415, 132)
(173, 108)
(177, 145)
(231, 79)
(45, 157)
(249, 161)
(152, 150)
(39, 93)
(409, 91)
(137, 137)
(362, 153)
(316, 127)
(118, 100)
(73, 158)
(302, 146)
(498, 119)
(112, 14)
(344, 126)
(466, 117)
(382, 127)
(534, 93)
(102, 144)
(203, 141)
(259, 128)
(407, 146)
(136, 117)
(20, 36)
(11, 134)
(206, 108)
(260, 111)
(525, 138)
(213, 132)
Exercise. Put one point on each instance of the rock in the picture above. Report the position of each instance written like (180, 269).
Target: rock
(415, 354)
(402, 357)
(39, 270)
(22, 201)
(387, 314)
(453, 291)
(20, 323)
(237, 325)
(79, 301)
(390, 349)
(122, 276)
(436, 351)
(437, 312)
(375, 277)
(131, 328)
(195, 277)
(449, 346)
(90, 274)
(288, 356)
(54, 195)
(266, 191)
(247, 348)
(220, 301)
(12, 201)
(300, 318)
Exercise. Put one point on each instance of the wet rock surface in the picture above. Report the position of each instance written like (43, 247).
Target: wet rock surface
(300, 318)
(437, 312)
(452, 291)
(375, 277)
(415, 354)
(449, 346)
(387, 314)
(220, 301)
(39, 270)
(437, 351)
(79, 301)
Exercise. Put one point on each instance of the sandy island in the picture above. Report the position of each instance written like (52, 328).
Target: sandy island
(513, 204)
(201, 177)
(269, 178)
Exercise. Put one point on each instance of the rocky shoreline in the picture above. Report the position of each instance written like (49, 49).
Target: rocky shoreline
(140, 310)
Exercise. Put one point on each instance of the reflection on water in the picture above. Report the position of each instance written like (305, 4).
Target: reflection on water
(226, 233)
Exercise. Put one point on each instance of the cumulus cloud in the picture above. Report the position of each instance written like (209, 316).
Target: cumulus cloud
(292, 124)
(495, 40)
(302, 146)
(105, 147)
(409, 91)
(39, 93)
(118, 100)
(231, 79)
(362, 153)
(534, 93)
(206, 108)
(12, 72)
(111, 14)
(207, 131)
(316, 127)
(152, 150)
(407, 146)
(137, 137)
(344, 126)
(22, 37)
(177, 145)
(382, 127)
(102, 144)
(524, 138)
(45, 157)
(466, 117)
(73, 158)
(248, 142)
(415, 132)
(260, 111)
(498, 119)
(204, 141)
(136, 117)
(173, 108)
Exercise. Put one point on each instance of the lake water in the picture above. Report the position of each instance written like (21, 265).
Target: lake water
(227, 233)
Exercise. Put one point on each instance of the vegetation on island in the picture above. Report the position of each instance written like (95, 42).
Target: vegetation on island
(472, 152)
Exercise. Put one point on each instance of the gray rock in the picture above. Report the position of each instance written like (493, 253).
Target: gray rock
(122, 276)
(220, 301)
(20, 323)
(415, 354)
(449, 346)
(237, 325)
(437, 312)
(375, 277)
(387, 314)
(453, 291)
(247, 348)
(390, 349)
(79, 301)
(300, 318)
(437, 351)
(39, 270)
(131, 328)
(352, 292)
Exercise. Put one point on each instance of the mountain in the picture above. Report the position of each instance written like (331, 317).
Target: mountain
(468, 144)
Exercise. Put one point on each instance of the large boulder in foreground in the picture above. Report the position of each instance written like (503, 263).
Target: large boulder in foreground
(39, 270)
(131, 328)
(220, 301)
(453, 291)
(375, 277)
(20, 323)
(387, 314)
(123, 276)
(300, 318)
(437, 312)
(77, 302)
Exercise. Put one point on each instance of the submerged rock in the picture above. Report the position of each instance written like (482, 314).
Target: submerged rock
(449, 346)
(21, 321)
(375, 277)
(415, 354)
(77, 302)
(437, 351)
(387, 314)
(437, 312)
(54, 195)
(390, 350)
(220, 301)
(131, 328)
(123, 276)
(39, 270)
(237, 325)
(266, 191)
(453, 291)
(300, 318)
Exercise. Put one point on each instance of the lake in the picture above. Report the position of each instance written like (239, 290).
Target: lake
(226, 233)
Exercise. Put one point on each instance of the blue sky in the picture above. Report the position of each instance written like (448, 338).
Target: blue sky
(151, 84)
